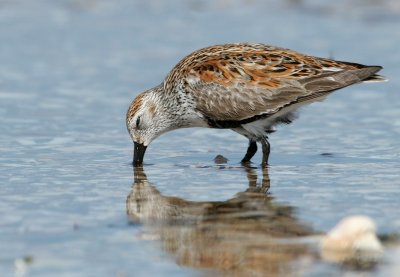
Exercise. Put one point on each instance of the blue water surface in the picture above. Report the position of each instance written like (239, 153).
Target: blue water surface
(68, 72)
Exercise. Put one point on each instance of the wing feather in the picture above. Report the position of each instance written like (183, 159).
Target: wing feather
(241, 81)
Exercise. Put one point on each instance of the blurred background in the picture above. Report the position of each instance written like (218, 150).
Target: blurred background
(68, 72)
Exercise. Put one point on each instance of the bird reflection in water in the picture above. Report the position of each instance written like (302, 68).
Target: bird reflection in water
(248, 235)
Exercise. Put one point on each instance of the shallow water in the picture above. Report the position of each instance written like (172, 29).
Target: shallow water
(68, 71)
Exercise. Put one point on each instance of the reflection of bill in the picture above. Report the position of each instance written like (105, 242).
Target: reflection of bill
(248, 235)
(236, 236)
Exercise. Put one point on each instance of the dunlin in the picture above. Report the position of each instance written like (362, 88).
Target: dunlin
(248, 88)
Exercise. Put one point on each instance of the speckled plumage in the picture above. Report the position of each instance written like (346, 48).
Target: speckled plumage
(246, 87)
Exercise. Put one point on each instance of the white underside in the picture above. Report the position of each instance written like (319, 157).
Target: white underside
(258, 129)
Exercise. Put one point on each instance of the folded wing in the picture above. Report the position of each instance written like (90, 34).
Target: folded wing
(242, 81)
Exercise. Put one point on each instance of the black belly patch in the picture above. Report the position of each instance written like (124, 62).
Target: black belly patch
(229, 124)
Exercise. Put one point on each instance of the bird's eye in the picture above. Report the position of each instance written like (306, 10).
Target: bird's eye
(137, 122)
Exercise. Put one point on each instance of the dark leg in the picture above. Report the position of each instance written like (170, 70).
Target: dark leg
(251, 150)
(265, 148)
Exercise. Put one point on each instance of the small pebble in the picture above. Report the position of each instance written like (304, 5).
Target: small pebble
(219, 159)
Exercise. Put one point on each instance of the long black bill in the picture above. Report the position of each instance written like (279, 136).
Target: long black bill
(138, 154)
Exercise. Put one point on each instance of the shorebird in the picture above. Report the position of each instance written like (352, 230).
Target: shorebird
(246, 87)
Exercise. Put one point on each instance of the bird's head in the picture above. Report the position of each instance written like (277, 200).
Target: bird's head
(146, 119)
